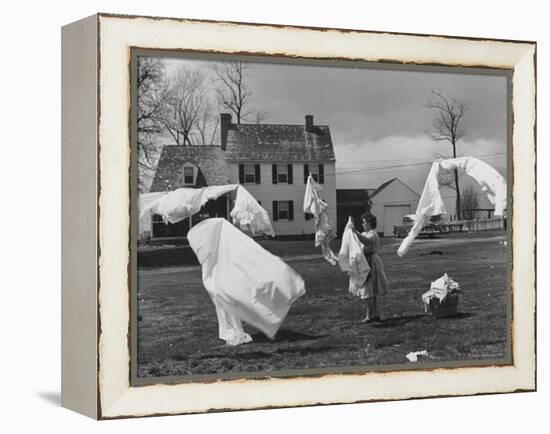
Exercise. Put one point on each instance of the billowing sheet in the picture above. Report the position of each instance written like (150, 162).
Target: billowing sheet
(316, 206)
(245, 281)
(491, 182)
(179, 204)
(352, 260)
(249, 216)
(431, 203)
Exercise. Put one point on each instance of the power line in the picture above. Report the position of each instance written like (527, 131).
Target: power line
(377, 169)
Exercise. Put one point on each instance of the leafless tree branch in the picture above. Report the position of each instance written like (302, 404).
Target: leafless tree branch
(447, 127)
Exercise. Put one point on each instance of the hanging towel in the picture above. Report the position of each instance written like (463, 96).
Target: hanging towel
(245, 281)
(249, 216)
(316, 206)
(352, 260)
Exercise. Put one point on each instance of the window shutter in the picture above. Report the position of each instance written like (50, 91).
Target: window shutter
(321, 174)
(306, 172)
(274, 174)
(257, 175)
(290, 173)
(275, 210)
(241, 173)
(291, 210)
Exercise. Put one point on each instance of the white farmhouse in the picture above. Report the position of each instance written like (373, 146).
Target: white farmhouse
(272, 161)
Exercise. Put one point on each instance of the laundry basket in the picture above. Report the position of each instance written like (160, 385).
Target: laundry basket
(448, 307)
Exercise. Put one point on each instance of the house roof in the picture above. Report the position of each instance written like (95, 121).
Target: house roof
(213, 169)
(385, 184)
(275, 142)
(382, 187)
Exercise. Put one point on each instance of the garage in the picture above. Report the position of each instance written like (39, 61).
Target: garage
(390, 202)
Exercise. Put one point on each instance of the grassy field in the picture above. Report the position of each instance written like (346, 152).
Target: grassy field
(178, 332)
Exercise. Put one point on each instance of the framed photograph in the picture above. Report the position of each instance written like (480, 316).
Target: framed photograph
(261, 216)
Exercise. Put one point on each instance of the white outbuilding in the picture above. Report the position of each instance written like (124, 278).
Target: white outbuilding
(390, 202)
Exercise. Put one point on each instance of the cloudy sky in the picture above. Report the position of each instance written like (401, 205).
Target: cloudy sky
(377, 117)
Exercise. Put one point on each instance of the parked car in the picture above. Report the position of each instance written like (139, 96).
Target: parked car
(431, 228)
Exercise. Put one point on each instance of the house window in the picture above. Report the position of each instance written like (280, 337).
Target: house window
(249, 174)
(283, 210)
(317, 171)
(282, 173)
(188, 175)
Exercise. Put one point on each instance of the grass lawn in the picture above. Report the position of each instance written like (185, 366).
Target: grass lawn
(178, 330)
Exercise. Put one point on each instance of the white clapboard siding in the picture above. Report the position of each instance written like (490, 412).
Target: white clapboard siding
(395, 193)
(266, 192)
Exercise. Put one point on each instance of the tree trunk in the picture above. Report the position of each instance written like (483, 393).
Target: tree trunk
(458, 201)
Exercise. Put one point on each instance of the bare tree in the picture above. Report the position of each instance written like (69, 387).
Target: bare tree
(150, 100)
(207, 126)
(470, 203)
(185, 101)
(233, 93)
(447, 127)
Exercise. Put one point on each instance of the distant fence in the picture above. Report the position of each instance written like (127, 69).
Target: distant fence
(475, 225)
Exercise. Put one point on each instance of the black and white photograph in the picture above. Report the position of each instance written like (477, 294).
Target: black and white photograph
(302, 217)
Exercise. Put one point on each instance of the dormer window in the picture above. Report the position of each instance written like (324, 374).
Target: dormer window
(188, 177)
(189, 174)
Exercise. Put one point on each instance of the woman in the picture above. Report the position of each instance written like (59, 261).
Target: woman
(376, 283)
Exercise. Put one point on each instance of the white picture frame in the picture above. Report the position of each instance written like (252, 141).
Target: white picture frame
(96, 275)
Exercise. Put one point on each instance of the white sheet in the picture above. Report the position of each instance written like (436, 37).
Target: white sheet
(431, 203)
(245, 281)
(324, 234)
(352, 260)
(179, 204)
(491, 182)
(249, 216)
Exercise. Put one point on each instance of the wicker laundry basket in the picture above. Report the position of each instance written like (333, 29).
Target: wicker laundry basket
(447, 308)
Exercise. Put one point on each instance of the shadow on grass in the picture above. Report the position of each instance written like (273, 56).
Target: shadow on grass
(397, 321)
(459, 315)
(282, 351)
(401, 320)
(285, 336)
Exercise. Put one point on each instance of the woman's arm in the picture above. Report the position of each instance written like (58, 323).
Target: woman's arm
(364, 240)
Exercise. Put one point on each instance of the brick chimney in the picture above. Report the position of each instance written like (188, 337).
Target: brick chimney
(225, 124)
(309, 123)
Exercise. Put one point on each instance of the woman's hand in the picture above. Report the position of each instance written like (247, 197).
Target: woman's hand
(350, 224)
